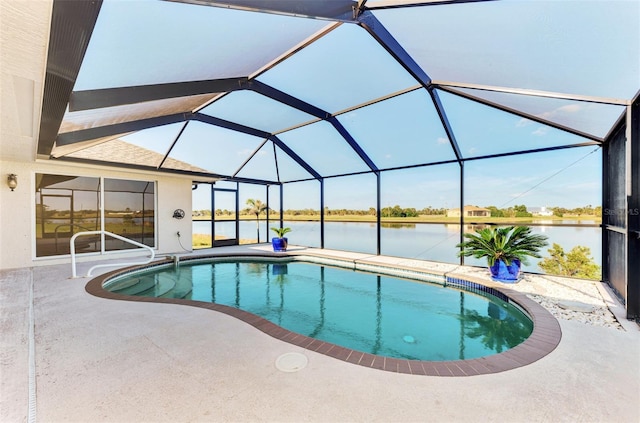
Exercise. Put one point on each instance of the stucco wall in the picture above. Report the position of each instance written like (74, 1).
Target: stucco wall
(17, 211)
(24, 36)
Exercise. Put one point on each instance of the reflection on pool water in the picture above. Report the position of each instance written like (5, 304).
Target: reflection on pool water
(377, 314)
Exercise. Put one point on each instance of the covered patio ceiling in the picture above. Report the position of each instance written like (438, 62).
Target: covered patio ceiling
(278, 91)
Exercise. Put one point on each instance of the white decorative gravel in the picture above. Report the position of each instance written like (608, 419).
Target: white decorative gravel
(555, 293)
(569, 299)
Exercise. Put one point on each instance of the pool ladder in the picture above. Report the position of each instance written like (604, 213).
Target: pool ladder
(72, 249)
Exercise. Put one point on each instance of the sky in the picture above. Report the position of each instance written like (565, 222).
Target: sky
(566, 178)
(577, 48)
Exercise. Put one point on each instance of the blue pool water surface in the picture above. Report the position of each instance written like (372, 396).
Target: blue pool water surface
(377, 314)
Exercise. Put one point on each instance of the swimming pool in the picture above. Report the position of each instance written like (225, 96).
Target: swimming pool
(543, 340)
(377, 314)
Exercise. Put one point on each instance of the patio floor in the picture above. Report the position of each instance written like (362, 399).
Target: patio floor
(99, 360)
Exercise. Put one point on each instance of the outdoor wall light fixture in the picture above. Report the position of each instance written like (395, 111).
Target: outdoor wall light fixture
(12, 181)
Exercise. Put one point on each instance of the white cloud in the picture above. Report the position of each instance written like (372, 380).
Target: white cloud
(244, 152)
(551, 114)
(523, 122)
(570, 108)
(541, 131)
(442, 140)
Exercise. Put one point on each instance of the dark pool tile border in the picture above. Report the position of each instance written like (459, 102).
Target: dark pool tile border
(544, 339)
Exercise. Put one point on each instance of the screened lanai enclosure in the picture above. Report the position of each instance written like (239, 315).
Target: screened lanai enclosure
(458, 106)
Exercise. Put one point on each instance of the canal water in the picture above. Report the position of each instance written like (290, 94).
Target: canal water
(424, 241)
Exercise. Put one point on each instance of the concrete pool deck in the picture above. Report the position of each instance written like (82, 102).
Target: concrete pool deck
(99, 360)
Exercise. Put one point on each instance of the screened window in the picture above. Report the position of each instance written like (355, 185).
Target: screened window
(129, 211)
(66, 205)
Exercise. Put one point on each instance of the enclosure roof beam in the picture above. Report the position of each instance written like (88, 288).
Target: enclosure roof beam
(119, 128)
(201, 117)
(284, 147)
(175, 140)
(533, 93)
(251, 156)
(535, 150)
(395, 4)
(338, 10)
(444, 162)
(444, 120)
(111, 97)
(72, 25)
(375, 28)
(353, 143)
(298, 104)
(204, 175)
(257, 133)
(284, 98)
(522, 114)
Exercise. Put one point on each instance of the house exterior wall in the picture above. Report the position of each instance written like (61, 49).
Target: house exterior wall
(17, 212)
(24, 36)
(453, 213)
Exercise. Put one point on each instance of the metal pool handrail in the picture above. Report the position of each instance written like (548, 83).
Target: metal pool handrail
(71, 226)
(72, 248)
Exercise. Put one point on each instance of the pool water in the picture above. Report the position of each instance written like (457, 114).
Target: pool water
(376, 314)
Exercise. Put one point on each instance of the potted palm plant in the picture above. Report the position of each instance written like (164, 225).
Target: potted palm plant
(279, 243)
(505, 249)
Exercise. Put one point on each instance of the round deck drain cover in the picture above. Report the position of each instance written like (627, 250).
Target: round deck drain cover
(291, 362)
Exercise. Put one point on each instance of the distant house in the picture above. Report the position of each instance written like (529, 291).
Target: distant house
(540, 211)
(470, 211)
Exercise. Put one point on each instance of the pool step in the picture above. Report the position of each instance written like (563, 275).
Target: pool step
(121, 285)
(161, 285)
(183, 287)
(135, 286)
(148, 286)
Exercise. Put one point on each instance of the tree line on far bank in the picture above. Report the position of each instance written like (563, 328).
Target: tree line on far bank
(399, 212)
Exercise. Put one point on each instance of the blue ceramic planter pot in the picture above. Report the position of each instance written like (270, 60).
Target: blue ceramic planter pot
(502, 273)
(279, 244)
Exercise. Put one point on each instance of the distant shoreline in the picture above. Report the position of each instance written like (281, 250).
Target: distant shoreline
(595, 221)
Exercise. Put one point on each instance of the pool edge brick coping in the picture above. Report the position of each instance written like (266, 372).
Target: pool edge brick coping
(544, 338)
